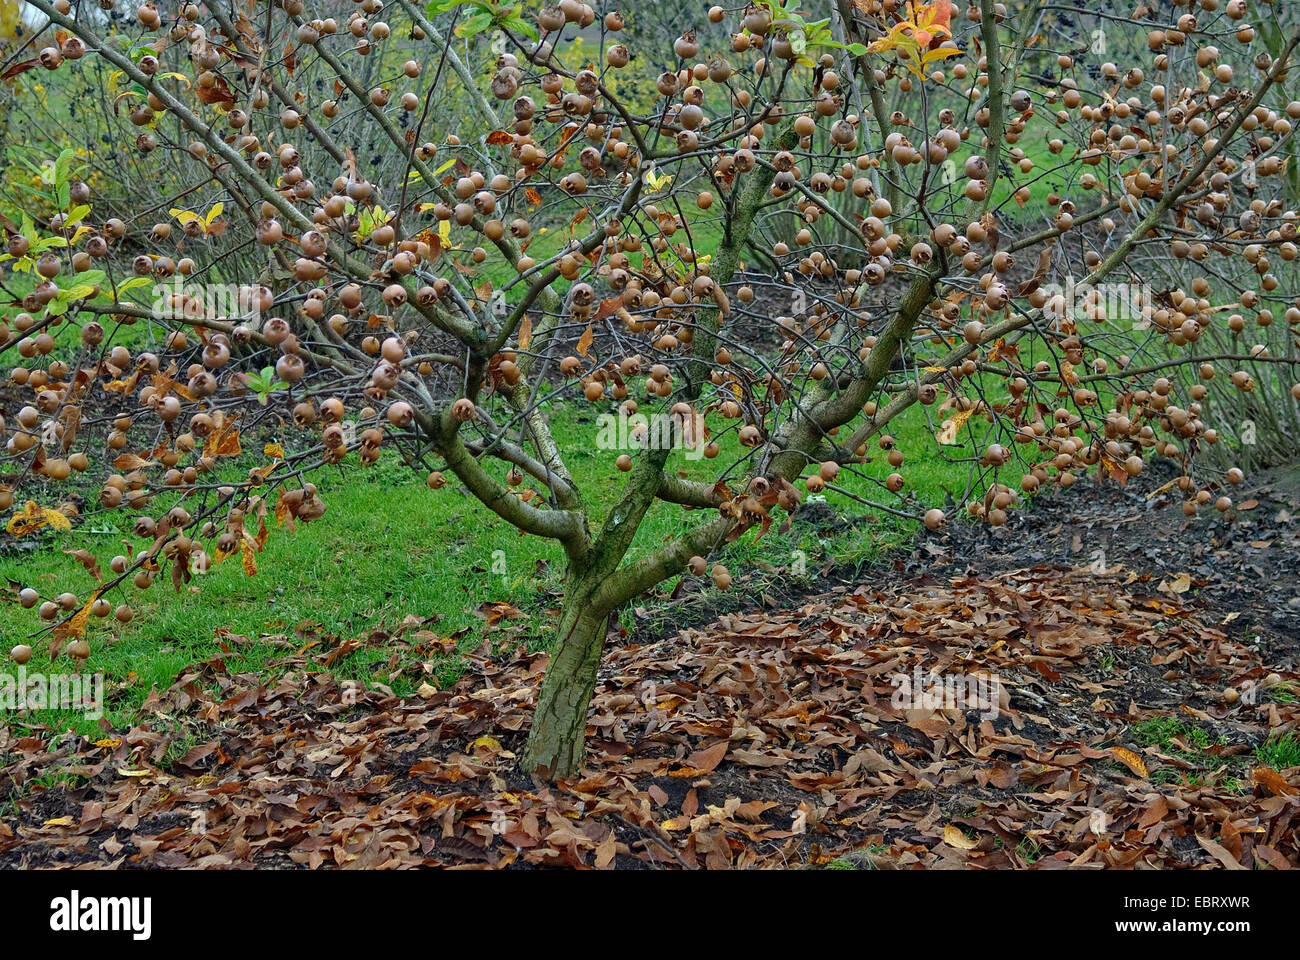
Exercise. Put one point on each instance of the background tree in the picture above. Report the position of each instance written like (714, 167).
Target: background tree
(778, 236)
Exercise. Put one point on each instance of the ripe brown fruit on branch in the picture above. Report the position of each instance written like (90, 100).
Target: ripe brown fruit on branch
(401, 414)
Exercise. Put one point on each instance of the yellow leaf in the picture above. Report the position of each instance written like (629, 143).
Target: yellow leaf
(657, 181)
(109, 743)
(250, 560)
(274, 450)
(281, 509)
(940, 54)
(954, 837)
(57, 520)
(122, 771)
(61, 822)
(32, 517)
(947, 432)
(1130, 760)
(76, 627)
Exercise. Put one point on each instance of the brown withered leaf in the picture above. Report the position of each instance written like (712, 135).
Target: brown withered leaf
(569, 133)
(585, 341)
(87, 560)
(19, 68)
(130, 461)
(165, 383)
(607, 307)
(71, 424)
(216, 95)
(495, 610)
(223, 441)
(1220, 853)
(181, 574)
(1272, 781)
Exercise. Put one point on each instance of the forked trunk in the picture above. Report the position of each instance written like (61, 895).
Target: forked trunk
(556, 739)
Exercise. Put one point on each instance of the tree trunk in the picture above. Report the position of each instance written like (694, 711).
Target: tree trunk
(556, 738)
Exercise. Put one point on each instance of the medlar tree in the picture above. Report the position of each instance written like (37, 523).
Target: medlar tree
(858, 163)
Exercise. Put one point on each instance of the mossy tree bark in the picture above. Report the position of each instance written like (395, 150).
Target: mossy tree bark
(557, 738)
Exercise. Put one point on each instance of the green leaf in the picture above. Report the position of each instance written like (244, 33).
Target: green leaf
(134, 282)
(436, 7)
(475, 25)
(63, 165)
(519, 25)
(32, 190)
